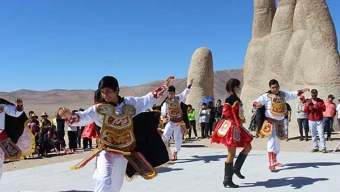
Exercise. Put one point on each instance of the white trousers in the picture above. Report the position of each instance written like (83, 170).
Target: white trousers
(317, 126)
(110, 171)
(273, 144)
(178, 136)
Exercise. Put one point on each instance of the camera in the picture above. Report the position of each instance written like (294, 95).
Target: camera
(310, 104)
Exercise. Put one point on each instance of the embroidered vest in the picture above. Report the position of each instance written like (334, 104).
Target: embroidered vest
(174, 110)
(278, 104)
(117, 130)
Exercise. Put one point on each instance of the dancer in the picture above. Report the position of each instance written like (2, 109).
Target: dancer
(230, 132)
(119, 136)
(16, 139)
(274, 102)
(172, 116)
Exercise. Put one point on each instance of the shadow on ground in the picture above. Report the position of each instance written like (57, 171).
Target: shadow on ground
(207, 159)
(294, 182)
(290, 166)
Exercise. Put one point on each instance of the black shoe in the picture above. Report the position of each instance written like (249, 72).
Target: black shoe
(307, 139)
(315, 150)
(324, 151)
(301, 138)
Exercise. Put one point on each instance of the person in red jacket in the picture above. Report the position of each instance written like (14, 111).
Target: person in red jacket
(314, 108)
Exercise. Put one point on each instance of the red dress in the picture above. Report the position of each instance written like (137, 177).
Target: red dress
(90, 130)
(229, 130)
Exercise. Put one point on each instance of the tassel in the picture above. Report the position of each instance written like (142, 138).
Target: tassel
(85, 161)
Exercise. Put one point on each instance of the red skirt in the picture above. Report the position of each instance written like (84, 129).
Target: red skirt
(233, 137)
(89, 132)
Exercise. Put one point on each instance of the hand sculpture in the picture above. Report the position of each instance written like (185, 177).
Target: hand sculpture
(294, 43)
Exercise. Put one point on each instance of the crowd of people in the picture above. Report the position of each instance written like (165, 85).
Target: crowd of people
(49, 135)
(122, 149)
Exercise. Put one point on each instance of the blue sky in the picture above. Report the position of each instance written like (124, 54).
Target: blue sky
(60, 44)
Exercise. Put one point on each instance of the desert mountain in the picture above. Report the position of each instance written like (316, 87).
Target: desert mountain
(51, 100)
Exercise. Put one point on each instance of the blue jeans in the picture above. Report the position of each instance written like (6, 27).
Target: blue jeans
(303, 125)
(327, 124)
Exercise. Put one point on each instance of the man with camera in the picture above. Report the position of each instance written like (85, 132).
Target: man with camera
(314, 108)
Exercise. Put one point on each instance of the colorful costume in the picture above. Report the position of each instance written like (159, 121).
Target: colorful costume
(229, 130)
(16, 139)
(172, 108)
(273, 127)
(127, 136)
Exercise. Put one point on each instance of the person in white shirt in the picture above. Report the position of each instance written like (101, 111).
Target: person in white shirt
(204, 116)
(338, 112)
(172, 116)
(302, 118)
(117, 137)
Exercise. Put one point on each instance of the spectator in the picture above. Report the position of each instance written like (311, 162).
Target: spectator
(192, 120)
(302, 118)
(35, 131)
(314, 108)
(61, 133)
(34, 119)
(45, 123)
(328, 116)
(287, 119)
(30, 113)
(218, 110)
(52, 139)
(72, 136)
(204, 120)
(212, 113)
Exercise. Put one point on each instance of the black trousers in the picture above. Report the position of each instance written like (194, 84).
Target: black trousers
(204, 129)
(72, 140)
(193, 127)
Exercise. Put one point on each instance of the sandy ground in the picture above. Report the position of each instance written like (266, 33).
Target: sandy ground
(293, 145)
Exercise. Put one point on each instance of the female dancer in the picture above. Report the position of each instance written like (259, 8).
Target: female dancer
(230, 132)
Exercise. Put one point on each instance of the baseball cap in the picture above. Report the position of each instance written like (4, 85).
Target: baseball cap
(302, 97)
(331, 96)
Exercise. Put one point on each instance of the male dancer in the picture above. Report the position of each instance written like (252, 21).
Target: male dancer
(275, 110)
(118, 138)
(172, 116)
(15, 141)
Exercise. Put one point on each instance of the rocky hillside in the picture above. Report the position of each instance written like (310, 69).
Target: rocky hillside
(51, 100)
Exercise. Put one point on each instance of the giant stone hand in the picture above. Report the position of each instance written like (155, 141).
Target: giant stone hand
(294, 43)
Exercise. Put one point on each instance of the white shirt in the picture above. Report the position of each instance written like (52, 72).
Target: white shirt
(164, 108)
(9, 110)
(338, 110)
(204, 116)
(266, 101)
(91, 115)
